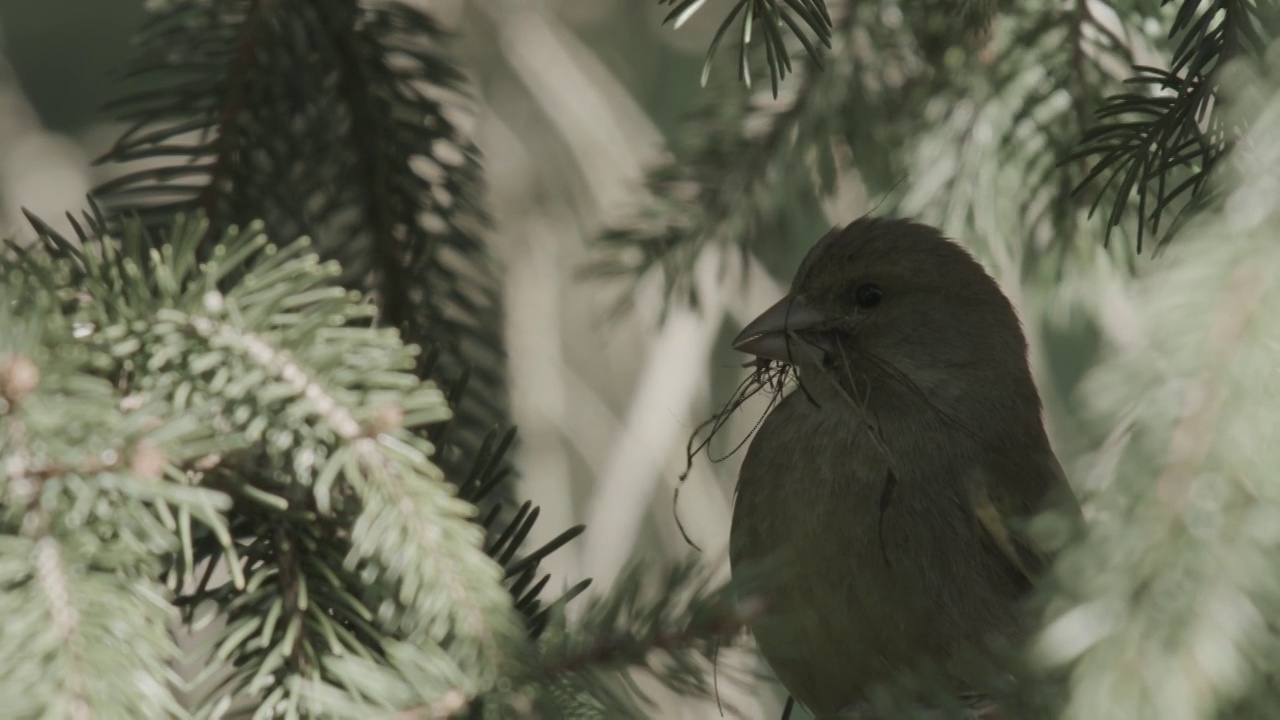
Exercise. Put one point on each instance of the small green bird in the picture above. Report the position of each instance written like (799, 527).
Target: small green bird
(891, 491)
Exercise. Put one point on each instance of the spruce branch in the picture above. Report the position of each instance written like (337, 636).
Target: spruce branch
(85, 514)
(342, 121)
(342, 536)
(669, 625)
(988, 165)
(1162, 140)
(336, 120)
(764, 19)
(746, 168)
(79, 637)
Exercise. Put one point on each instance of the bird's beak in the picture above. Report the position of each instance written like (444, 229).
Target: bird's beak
(772, 334)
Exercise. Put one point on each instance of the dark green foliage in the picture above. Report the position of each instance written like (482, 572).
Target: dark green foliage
(765, 19)
(670, 626)
(337, 121)
(520, 571)
(1162, 139)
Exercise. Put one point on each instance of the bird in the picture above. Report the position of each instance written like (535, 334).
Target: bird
(890, 491)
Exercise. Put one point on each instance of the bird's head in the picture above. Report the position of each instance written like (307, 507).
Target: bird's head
(891, 310)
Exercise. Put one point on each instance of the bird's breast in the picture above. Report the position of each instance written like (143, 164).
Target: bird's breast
(858, 592)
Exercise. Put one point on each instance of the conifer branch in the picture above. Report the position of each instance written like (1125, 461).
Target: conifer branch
(670, 627)
(314, 447)
(1162, 140)
(744, 164)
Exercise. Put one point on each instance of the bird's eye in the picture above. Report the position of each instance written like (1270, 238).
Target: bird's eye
(868, 295)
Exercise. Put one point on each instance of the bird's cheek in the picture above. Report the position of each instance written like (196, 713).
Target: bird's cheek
(839, 351)
(828, 350)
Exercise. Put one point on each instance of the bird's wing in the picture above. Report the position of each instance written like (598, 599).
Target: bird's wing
(1006, 491)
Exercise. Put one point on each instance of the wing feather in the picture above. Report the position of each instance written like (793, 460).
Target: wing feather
(1006, 494)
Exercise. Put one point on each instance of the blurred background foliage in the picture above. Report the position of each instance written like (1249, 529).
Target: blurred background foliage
(631, 220)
